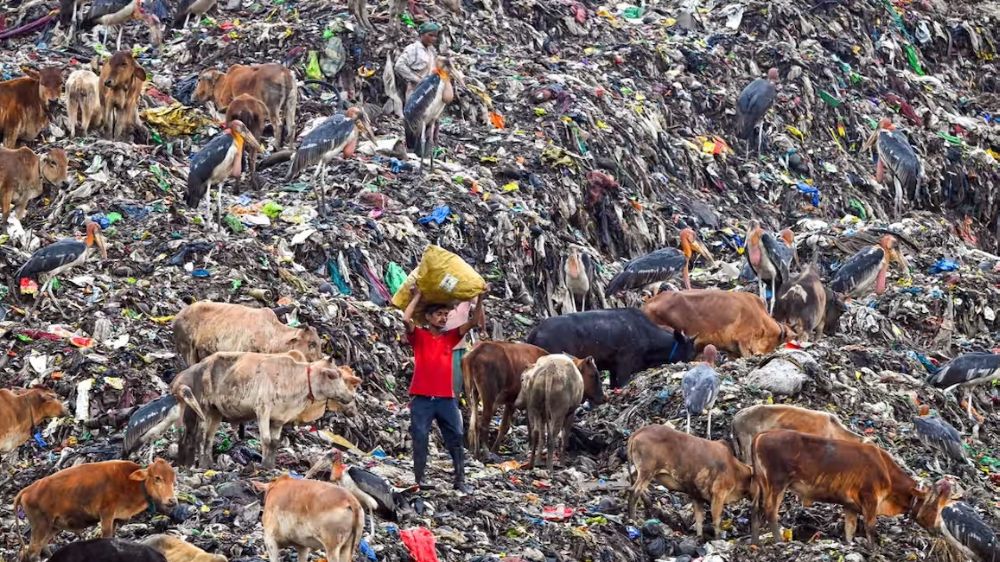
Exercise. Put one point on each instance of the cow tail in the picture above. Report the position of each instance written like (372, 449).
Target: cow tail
(291, 106)
(187, 396)
(359, 526)
(17, 521)
(472, 394)
(8, 197)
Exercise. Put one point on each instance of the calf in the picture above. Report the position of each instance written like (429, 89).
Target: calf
(122, 79)
(253, 113)
(751, 421)
(25, 104)
(272, 84)
(239, 387)
(705, 470)
(175, 549)
(492, 373)
(206, 327)
(22, 410)
(550, 392)
(21, 175)
(107, 550)
(736, 322)
(621, 340)
(861, 477)
(75, 498)
(306, 515)
(83, 101)
(808, 306)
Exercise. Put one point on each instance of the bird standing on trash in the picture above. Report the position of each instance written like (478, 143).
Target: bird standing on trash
(966, 532)
(700, 387)
(221, 158)
(419, 59)
(661, 265)
(148, 422)
(334, 137)
(60, 256)
(966, 371)
(424, 107)
(896, 154)
(577, 280)
(189, 7)
(869, 267)
(941, 436)
(769, 259)
(374, 493)
(753, 103)
(112, 13)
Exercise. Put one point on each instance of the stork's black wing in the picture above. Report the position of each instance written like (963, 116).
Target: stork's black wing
(781, 256)
(416, 108)
(203, 163)
(101, 8)
(965, 368)
(660, 265)
(862, 265)
(146, 418)
(965, 526)
(940, 435)
(700, 387)
(900, 158)
(377, 487)
(753, 103)
(50, 257)
(323, 138)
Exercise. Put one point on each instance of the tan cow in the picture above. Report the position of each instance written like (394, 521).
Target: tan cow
(273, 389)
(20, 410)
(175, 549)
(271, 83)
(749, 422)
(307, 515)
(122, 79)
(25, 104)
(253, 113)
(83, 101)
(21, 175)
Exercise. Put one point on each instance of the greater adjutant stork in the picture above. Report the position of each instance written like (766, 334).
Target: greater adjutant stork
(334, 137)
(423, 109)
(966, 371)
(148, 422)
(769, 259)
(374, 493)
(966, 532)
(660, 265)
(577, 280)
(754, 101)
(112, 13)
(60, 256)
(700, 387)
(896, 154)
(940, 436)
(221, 158)
(869, 267)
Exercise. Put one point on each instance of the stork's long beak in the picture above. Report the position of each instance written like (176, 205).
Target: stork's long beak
(365, 127)
(248, 138)
(871, 139)
(99, 241)
(701, 249)
(901, 260)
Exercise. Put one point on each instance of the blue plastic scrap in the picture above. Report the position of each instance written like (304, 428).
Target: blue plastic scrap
(437, 216)
(334, 270)
(810, 190)
(943, 265)
(366, 549)
(39, 440)
(633, 533)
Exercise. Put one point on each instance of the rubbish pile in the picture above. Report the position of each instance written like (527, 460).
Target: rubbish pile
(599, 129)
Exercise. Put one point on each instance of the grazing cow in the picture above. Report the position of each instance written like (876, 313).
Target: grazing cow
(25, 104)
(75, 498)
(308, 514)
(83, 101)
(271, 83)
(107, 550)
(206, 327)
(492, 373)
(122, 79)
(21, 410)
(749, 422)
(175, 549)
(621, 340)
(272, 389)
(253, 113)
(550, 392)
(736, 322)
(807, 306)
(21, 175)
(861, 477)
(705, 470)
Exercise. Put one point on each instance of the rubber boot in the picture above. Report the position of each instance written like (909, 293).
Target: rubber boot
(458, 461)
(419, 465)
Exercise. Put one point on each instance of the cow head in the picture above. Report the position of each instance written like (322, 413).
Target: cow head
(50, 84)
(121, 70)
(158, 481)
(591, 380)
(331, 383)
(835, 308)
(683, 348)
(45, 404)
(306, 341)
(204, 90)
(54, 167)
(927, 504)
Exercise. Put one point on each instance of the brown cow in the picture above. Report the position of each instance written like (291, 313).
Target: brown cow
(83, 101)
(76, 498)
(121, 79)
(272, 389)
(175, 549)
(25, 104)
(206, 327)
(253, 113)
(550, 391)
(748, 422)
(271, 83)
(861, 477)
(733, 321)
(21, 175)
(308, 514)
(808, 306)
(23, 409)
(705, 470)
(491, 372)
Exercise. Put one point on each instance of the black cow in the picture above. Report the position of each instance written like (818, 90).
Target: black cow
(107, 550)
(808, 306)
(621, 340)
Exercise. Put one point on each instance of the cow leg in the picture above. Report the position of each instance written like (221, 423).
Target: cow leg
(210, 426)
(552, 428)
(567, 429)
(303, 552)
(638, 490)
(108, 525)
(850, 524)
(264, 428)
(869, 511)
(699, 516)
(771, 508)
(508, 415)
(718, 502)
(273, 552)
(534, 436)
(276, 438)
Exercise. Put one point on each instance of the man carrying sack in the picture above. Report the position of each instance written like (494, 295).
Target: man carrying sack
(432, 390)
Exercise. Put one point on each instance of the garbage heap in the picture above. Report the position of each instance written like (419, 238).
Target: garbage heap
(605, 128)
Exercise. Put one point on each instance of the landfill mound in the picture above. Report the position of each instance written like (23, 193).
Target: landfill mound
(552, 92)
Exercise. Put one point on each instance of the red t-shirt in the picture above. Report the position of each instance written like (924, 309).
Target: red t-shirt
(432, 362)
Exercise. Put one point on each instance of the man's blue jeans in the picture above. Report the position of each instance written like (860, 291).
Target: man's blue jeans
(424, 410)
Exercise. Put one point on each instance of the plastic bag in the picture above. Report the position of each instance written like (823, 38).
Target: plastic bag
(442, 278)
(395, 276)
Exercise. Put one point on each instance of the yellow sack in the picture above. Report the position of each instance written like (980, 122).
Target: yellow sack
(442, 278)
